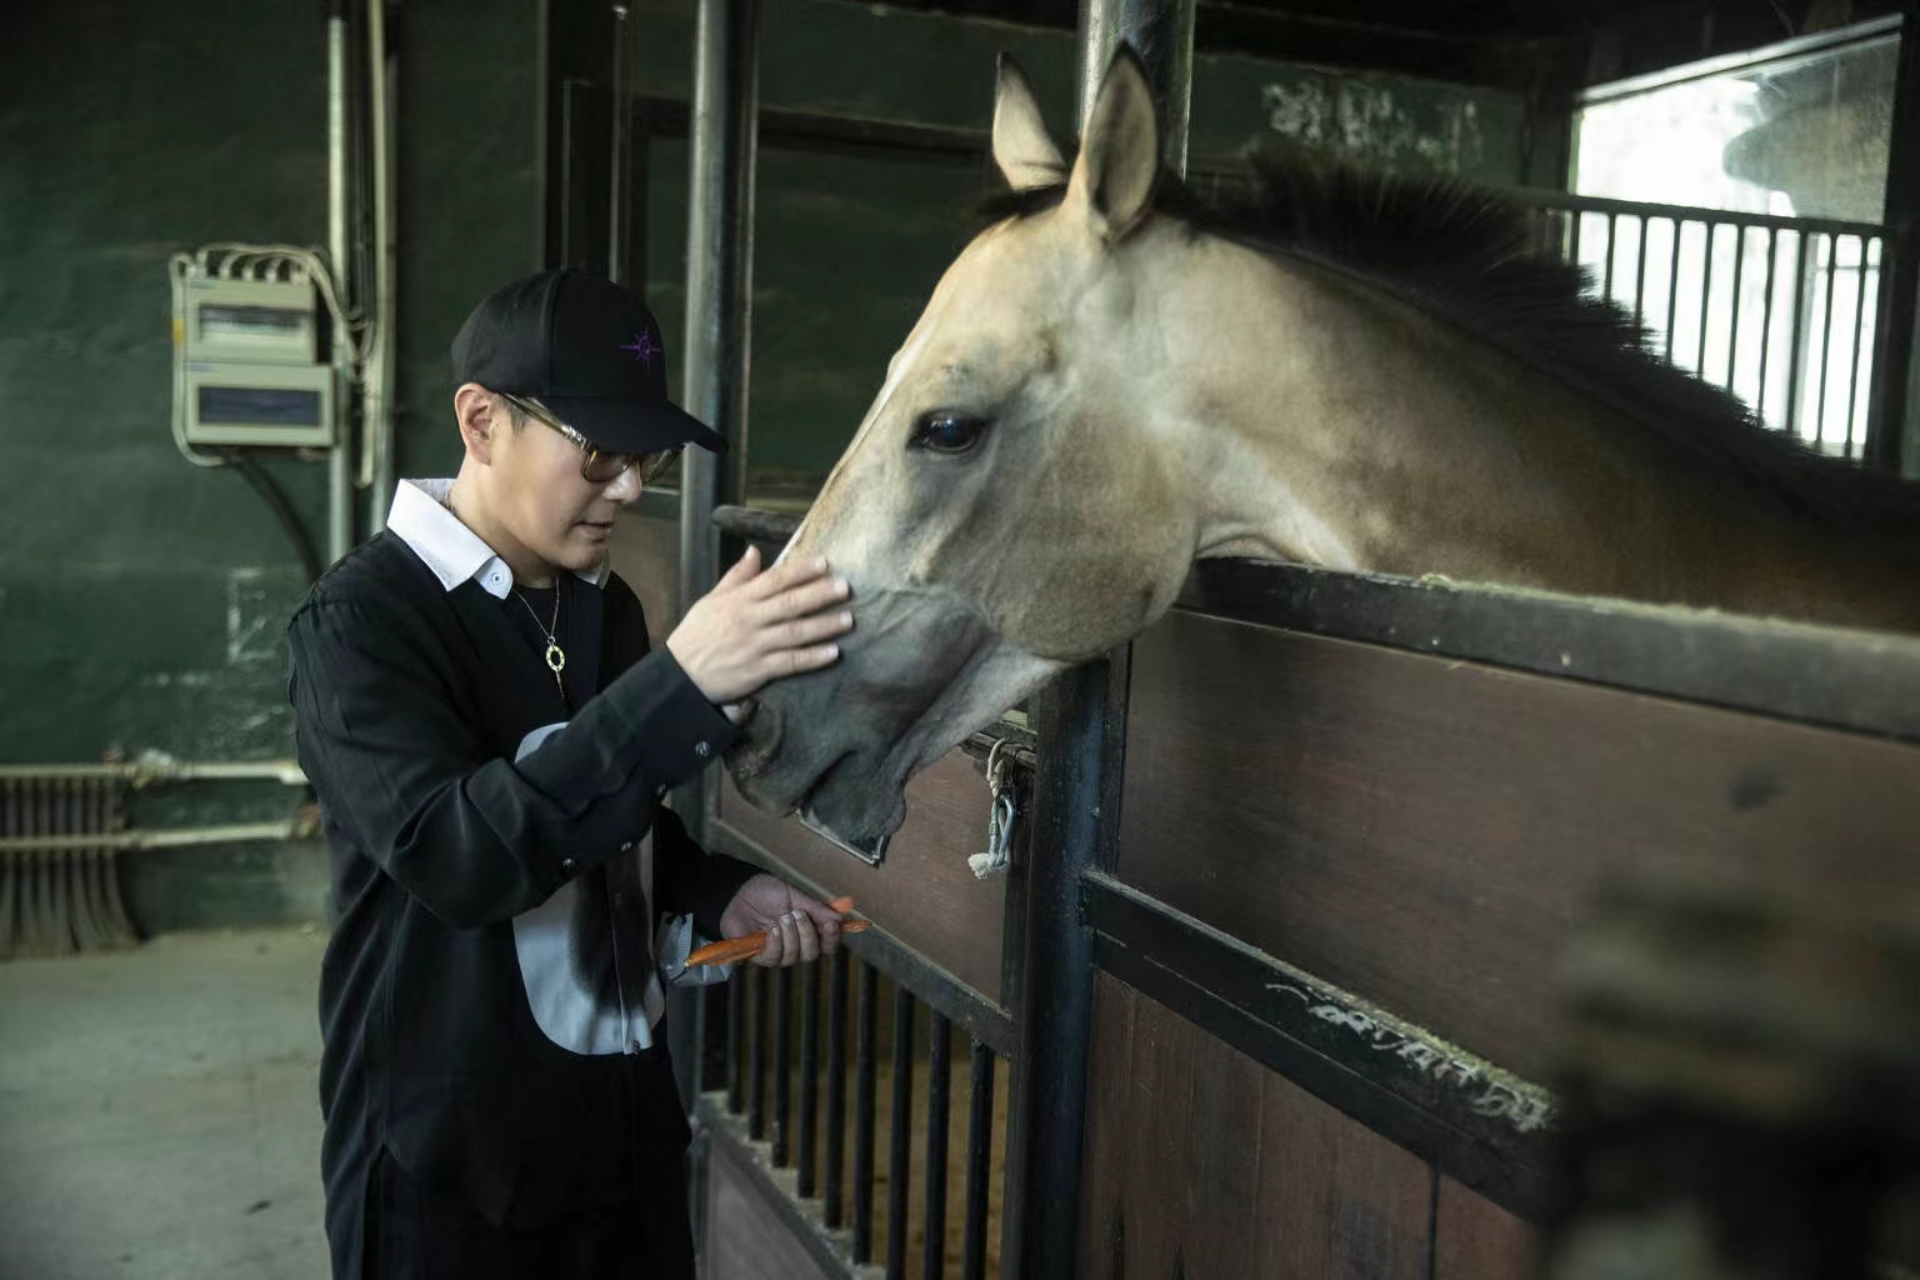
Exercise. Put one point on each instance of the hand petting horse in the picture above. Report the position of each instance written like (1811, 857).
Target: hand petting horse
(1359, 373)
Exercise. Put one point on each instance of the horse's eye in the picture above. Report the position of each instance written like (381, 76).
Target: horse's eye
(943, 432)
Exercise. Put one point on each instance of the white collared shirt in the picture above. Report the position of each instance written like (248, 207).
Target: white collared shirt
(419, 517)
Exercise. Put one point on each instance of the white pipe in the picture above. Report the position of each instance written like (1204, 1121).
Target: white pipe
(339, 457)
(178, 837)
(378, 450)
(148, 772)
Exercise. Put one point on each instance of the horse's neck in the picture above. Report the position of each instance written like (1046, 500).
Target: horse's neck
(1349, 430)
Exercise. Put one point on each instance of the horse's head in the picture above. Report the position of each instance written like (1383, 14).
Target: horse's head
(974, 510)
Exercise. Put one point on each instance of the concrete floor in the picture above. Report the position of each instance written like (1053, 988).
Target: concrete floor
(159, 1113)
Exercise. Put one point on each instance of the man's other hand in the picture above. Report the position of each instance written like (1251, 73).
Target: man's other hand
(755, 627)
(799, 929)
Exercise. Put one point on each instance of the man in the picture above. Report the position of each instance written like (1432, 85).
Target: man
(490, 740)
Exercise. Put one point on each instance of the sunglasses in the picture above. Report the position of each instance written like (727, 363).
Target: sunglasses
(597, 466)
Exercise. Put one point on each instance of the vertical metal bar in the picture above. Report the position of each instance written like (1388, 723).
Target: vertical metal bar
(1733, 327)
(340, 455)
(1673, 282)
(864, 1053)
(973, 1257)
(933, 1258)
(1706, 299)
(1853, 352)
(757, 1057)
(1577, 220)
(1161, 32)
(1826, 341)
(736, 1018)
(900, 1135)
(782, 1068)
(1891, 411)
(836, 1089)
(725, 131)
(1606, 286)
(1798, 357)
(809, 1077)
(1766, 323)
(1640, 275)
(620, 164)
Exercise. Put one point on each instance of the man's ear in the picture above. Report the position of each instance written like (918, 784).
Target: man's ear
(473, 410)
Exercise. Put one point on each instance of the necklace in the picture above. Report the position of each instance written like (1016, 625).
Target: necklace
(556, 656)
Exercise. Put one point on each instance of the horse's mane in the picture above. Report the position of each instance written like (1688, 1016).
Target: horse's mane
(1464, 252)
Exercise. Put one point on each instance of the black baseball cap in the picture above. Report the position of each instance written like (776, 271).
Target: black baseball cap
(586, 349)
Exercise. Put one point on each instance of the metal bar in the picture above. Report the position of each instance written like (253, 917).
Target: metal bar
(620, 163)
(178, 838)
(1724, 64)
(1766, 325)
(1613, 229)
(757, 1057)
(1867, 682)
(722, 1138)
(833, 1198)
(1733, 323)
(143, 773)
(719, 316)
(1544, 198)
(809, 1078)
(1573, 248)
(736, 1018)
(339, 254)
(782, 1068)
(900, 1134)
(1640, 276)
(1706, 299)
(1826, 344)
(864, 1086)
(973, 1258)
(1890, 404)
(1161, 33)
(1797, 359)
(1853, 361)
(933, 1258)
(1480, 1126)
(1673, 284)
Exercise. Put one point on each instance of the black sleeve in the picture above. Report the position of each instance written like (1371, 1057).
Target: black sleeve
(475, 837)
(689, 881)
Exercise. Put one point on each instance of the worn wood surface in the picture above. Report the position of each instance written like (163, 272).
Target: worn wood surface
(1424, 833)
(1204, 1164)
(1475, 1239)
(924, 894)
(746, 1238)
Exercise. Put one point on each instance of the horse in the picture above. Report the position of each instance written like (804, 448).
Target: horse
(1358, 372)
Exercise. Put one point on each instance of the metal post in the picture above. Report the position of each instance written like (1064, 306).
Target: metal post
(719, 295)
(1081, 725)
(620, 164)
(340, 456)
(1891, 413)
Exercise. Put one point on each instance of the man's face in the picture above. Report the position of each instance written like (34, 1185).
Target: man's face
(549, 507)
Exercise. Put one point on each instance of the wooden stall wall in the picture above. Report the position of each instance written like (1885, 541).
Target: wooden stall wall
(1424, 832)
(1201, 1163)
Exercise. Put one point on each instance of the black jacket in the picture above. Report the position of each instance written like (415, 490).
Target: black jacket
(411, 704)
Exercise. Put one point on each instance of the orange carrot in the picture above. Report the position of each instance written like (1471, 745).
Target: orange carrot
(748, 945)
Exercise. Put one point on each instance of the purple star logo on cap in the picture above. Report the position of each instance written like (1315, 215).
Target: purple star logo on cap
(644, 348)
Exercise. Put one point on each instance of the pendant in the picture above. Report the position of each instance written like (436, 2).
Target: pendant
(556, 658)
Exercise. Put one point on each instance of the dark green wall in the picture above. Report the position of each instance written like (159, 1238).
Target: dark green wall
(142, 600)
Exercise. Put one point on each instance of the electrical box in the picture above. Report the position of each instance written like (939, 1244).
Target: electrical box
(252, 371)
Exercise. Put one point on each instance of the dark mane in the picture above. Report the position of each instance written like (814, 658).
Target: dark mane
(1465, 253)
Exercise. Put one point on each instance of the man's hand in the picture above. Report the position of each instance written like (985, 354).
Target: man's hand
(756, 627)
(799, 928)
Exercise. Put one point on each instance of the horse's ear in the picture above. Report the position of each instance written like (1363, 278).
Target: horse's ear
(1120, 157)
(1021, 145)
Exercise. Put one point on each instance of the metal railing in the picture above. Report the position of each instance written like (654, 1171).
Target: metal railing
(797, 1104)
